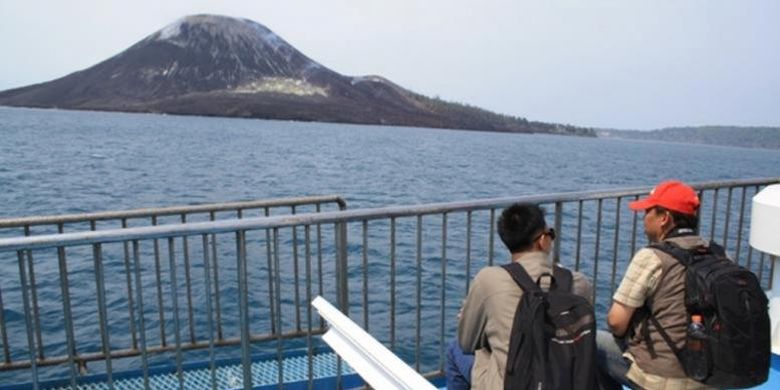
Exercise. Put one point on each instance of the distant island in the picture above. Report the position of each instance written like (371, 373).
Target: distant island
(748, 137)
(223, 66)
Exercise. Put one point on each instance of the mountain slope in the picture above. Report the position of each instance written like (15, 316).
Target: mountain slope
(222, 66)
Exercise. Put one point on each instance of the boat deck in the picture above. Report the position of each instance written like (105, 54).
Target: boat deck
(774, 375)
(265, 374)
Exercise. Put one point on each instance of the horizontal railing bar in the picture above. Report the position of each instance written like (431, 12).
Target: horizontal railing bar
(126, 353)
(255, 223)
(173, 210)
(430, 375)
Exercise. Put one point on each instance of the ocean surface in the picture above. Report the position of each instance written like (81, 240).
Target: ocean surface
(55, 162)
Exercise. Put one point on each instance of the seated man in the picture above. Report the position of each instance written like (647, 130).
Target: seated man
(654, 282)
(478, 359)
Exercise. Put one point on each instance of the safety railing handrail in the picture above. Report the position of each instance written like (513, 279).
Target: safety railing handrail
(254, 223)
(172, 210)
(265, 275)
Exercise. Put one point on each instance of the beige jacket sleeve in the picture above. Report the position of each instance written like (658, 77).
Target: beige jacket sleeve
(471, 325)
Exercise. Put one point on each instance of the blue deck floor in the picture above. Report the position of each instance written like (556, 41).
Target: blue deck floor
(265, 375)
(773, 383)
(774, 375)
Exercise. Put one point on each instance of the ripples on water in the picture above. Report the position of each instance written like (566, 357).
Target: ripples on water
(64, 161)
(54, 162)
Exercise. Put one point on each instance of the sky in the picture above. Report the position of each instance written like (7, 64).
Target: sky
(596, 63)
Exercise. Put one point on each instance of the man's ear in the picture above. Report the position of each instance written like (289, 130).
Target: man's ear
(668, 220)
(541, 242)
(538, 245)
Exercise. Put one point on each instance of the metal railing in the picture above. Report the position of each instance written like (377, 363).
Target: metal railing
(40, 225)
(401, 271)
(151, 216)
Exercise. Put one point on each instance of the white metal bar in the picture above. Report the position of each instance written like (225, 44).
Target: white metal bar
(379, 367)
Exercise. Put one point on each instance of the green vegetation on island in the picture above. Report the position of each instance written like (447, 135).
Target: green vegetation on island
(740, 136)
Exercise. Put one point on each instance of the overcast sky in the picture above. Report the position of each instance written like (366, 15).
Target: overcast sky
(615, 64)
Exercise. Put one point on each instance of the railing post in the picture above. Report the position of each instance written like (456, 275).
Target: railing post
(209, 313)
(28, 320)
(342, 281)
(774, 281)
(491, 239)
(142, 321)
(67, 315)
(615, 247)
(597, 246)
(3, 332)
(392, 283)
(100, 286)
(243, 310)
(558, 224)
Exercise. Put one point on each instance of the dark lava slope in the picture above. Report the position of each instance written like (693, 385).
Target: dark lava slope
(223, 66)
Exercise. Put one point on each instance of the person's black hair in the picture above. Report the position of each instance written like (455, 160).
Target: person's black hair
(519, 224)
(681, 220)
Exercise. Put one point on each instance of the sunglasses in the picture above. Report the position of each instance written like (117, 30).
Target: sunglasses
(550, 232)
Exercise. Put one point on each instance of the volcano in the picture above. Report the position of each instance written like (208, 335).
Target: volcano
(222, 66)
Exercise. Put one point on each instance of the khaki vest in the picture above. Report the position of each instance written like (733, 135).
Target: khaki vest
(668, 306)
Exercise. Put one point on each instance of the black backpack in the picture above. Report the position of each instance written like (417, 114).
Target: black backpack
(553, 339)
(735, 350)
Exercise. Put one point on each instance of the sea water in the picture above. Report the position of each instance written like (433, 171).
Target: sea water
(55, 162)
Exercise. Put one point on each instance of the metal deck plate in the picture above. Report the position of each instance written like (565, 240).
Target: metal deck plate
(264, 373)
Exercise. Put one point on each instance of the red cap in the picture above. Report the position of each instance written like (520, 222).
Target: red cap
(673, 195)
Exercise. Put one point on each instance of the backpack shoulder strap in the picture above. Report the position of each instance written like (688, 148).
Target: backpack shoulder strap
(717, 249)
(521, 277)
(526, 353)
(684, 257)
(674, 250)
(563, 278)
(664, 335)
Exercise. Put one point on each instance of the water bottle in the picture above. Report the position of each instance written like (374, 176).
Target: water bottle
(696, 365)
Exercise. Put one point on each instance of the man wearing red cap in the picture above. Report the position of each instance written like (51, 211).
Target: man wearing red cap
(653, 286)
